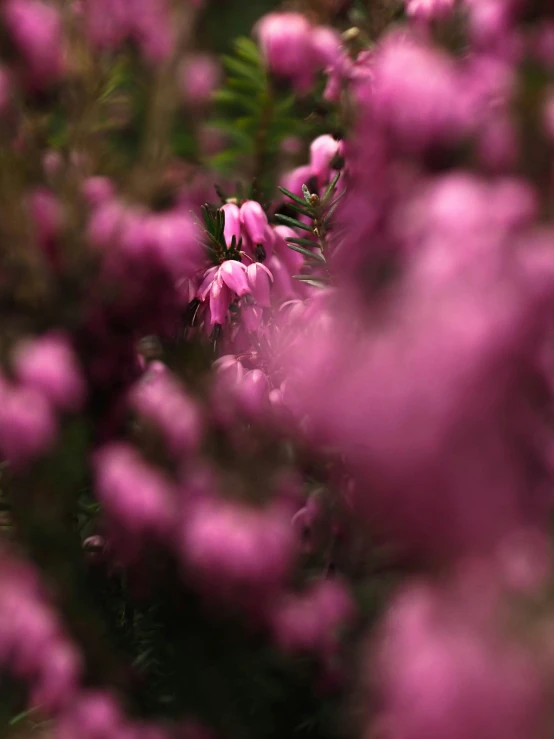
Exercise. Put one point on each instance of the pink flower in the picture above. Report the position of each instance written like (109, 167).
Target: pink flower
(49, 365)
(232, 223)
(327, 46)
(253, 392)
(229, 368)
(175, 239)
(233, 274)
(259, 280)
(416, 94)
(286, 43)
(311, 621)
(27, 424)
(97, 190)
(235, 551)
(322, 152)
(199, 76)
(220, 300)
(445, 670)
(294, 180)
(36, 29)
(283, 284)
(254, 221)
(251, 317)
(159, 398)
(136, 496)
(429, 9)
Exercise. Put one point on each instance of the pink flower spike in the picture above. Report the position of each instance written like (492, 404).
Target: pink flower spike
(254, 220)
(259, 278)
(233, 274)
(232, 223)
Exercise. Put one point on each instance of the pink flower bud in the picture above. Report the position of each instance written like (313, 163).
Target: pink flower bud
(233, 274)
(52, 163)
(236, 551)
(48, 364)
(36, 30)
(327, 46)
(254, 221)
(282, 281)
(97, 190)
(259, 279)
(294, 180)
(199, 76)
(232, 223)
(160, 399)
(58, 676)
(253, 392)
(285, 40)
(105, 223)
(135, 495)
(151, 26)
(175, 240)
(229, 367)
(27, 424)
(291, 259)
(429, 9)
(251, 317)
(220, 300)
(322, 152)
(309, 622)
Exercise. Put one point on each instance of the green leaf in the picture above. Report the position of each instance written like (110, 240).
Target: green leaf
(245, 85)
(302, 242)
(292, 222)
(301, 209)
(331, 187)
(230, 97)
(292, 196)
(310, 281)
(336, 201)
(242, 69)
(307, 253)
(248, 50)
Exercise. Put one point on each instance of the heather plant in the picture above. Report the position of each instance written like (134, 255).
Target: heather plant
(276, 369)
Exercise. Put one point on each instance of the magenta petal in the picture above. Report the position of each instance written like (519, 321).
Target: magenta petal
(206, 284)
(220, 299)
(254, 220)
(232, 223)
(233, 274)
(259, 278)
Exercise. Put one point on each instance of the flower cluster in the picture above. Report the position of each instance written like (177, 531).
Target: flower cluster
(302, 419)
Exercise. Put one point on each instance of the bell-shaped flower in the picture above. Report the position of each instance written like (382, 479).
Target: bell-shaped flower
(322, 152)
(233, 274)
(254, 221)
(232, 223)
(220, 300)
(259, 279)
(285, 41)
(251, 317)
